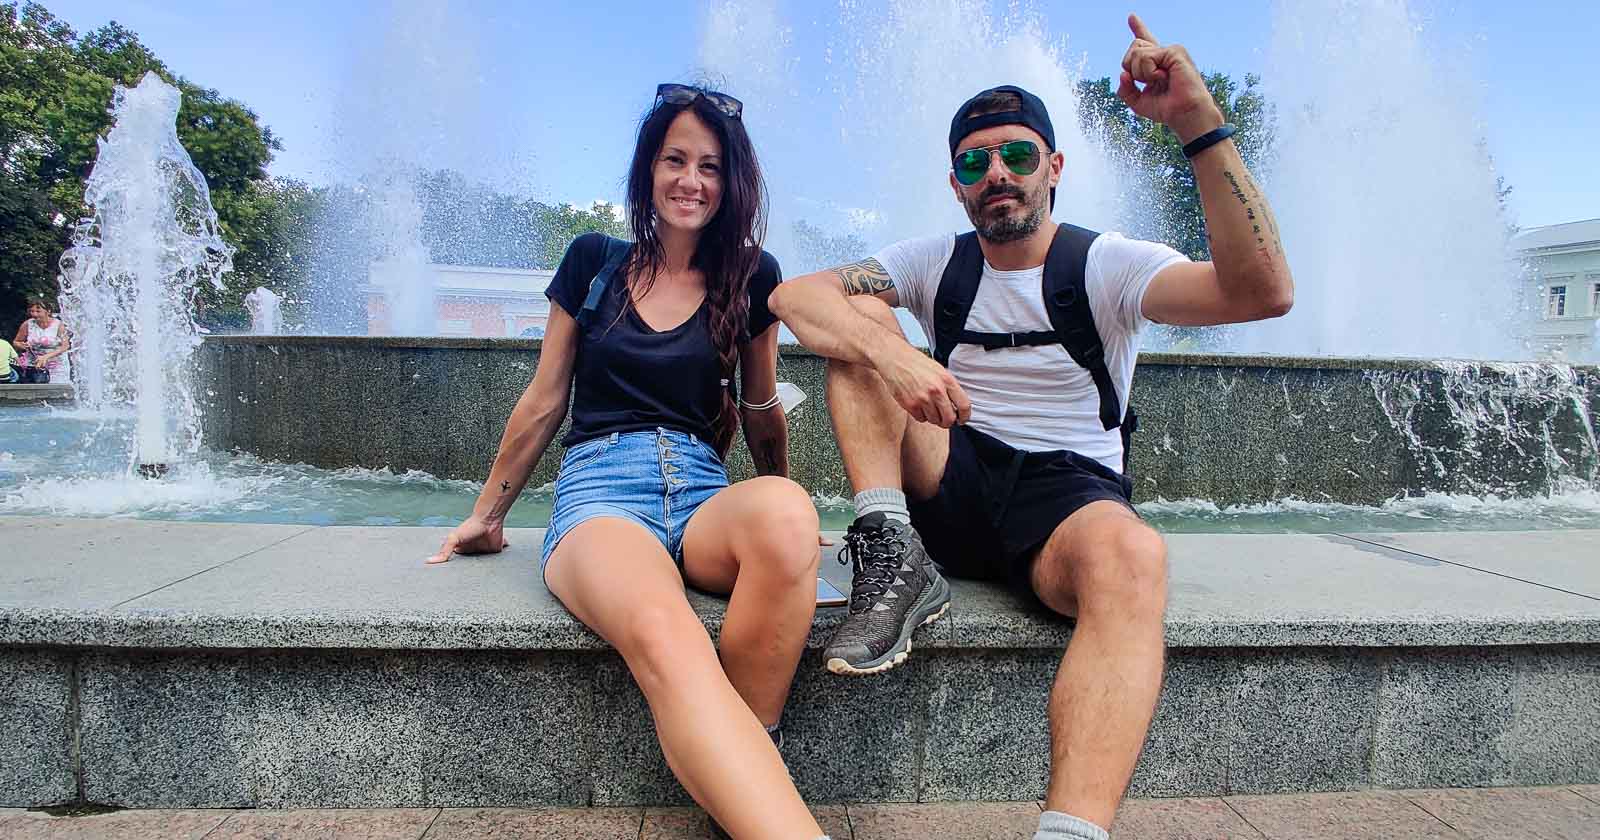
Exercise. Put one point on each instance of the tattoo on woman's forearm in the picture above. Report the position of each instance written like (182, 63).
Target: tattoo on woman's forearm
(864, 278)
(505, 487)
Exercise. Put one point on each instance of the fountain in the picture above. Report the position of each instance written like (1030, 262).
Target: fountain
(266, 311)
(1385, 192)
(409, 105)
(132, 272)
(1331, 442)
(80, 275)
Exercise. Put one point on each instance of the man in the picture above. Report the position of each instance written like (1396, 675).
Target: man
(1007, 463)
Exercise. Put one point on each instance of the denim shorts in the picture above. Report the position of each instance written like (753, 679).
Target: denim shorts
(655, 478)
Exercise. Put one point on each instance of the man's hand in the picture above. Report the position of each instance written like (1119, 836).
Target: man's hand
(1174, 92)
(924, 388)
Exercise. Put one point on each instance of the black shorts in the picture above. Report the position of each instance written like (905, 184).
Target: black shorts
(997, 505)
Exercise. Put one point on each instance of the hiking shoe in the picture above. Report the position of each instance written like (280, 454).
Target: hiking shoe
(895, 590)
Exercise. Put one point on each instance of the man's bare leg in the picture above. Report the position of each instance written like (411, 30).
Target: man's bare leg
(1109, 569)
(880, 444)
(895, 587)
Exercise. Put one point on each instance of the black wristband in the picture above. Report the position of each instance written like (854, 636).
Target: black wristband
(1207, 140)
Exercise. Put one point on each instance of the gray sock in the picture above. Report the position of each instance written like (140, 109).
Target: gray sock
(885, 500)
(1054, 825)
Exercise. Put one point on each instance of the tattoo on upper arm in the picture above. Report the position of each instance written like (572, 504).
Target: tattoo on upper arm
(864, 278)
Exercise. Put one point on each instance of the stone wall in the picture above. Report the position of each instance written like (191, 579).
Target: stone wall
(405, 729)
(1231, 429)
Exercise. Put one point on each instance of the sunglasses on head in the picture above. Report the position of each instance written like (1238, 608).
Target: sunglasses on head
(675, 94)
(1020, 156)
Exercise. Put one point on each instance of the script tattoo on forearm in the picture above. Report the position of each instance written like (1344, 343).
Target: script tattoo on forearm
(1257, 218)
(864, 278)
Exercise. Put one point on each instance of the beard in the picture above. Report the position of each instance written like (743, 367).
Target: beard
(1003, 226)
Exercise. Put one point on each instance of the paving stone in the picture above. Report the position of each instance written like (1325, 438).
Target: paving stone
(1340, 816)
(1531, 813)
(118, 825)
(1181, 819)
(537, 824)
(327, 824)
(694, 824)
(966, 820)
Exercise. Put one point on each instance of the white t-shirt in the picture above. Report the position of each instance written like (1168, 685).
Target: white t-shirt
(1037, 398)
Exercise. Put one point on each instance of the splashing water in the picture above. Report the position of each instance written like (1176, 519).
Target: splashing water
(1494, 428)
(402, 271)
(266, 311)
(131, 276)
(412, 102)
(1386, 196)
(893, 76)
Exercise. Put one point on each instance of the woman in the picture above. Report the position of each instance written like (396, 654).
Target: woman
(642, 502)
(43, 343)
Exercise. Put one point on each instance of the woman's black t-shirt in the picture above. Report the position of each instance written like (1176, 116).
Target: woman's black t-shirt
(630, 377)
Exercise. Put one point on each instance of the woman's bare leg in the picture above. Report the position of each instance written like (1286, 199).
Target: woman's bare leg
(758, 540)
(617, 579)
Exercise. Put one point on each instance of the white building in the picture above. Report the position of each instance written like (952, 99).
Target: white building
(1564, 270)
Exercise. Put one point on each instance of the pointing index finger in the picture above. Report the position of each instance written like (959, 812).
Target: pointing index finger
(1141, 31)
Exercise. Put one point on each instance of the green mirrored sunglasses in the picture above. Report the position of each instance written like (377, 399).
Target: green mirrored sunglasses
(1019, 156)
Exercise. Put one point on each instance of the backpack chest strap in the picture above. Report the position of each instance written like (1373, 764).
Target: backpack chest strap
(1066, 304)
(1003, 341)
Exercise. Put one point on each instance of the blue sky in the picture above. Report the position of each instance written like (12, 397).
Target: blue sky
(542, 97)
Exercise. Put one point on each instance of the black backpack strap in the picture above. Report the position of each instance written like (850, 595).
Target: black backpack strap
(1066, 300)
(1130, 425)
(957, 288)
(616, 252)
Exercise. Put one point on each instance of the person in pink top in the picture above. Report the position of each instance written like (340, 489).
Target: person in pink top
(43, 342)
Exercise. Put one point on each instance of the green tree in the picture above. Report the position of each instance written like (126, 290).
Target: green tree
(271, 222)
(37, 72)
(1152, 162)
(1151, 156)
(556, 226)
(55, 97)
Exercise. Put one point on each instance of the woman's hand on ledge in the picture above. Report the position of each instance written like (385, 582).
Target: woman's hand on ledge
(477, 535)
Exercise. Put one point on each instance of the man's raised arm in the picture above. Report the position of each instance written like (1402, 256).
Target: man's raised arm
(1248, 276)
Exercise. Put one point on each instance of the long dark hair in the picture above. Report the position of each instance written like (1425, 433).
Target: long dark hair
(729, 249)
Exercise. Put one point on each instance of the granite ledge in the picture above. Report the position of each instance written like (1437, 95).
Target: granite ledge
(559, 632)
(1242, 360)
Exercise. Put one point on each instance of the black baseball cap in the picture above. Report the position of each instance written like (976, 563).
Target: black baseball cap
(1030, 112)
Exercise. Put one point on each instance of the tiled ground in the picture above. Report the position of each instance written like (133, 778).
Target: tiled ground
(1555, 813)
